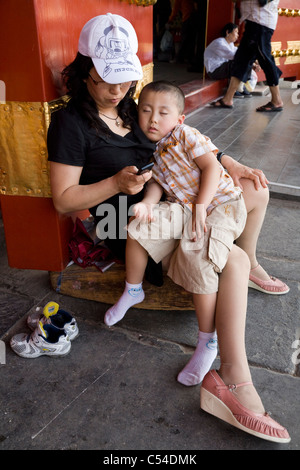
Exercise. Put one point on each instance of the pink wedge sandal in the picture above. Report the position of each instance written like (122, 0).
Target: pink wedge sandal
(218, 399)
(273, 286)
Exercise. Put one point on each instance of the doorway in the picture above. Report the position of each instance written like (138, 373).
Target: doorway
(166, 65)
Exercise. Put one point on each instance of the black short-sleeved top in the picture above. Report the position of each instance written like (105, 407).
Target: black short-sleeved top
(71, 141)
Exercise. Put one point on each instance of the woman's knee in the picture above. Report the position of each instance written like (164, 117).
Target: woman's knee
(238, 260)
(254, 198)
(263, 196)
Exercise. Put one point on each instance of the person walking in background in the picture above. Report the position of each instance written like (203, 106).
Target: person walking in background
(260, 24)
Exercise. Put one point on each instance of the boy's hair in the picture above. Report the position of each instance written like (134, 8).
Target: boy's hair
(161, 86)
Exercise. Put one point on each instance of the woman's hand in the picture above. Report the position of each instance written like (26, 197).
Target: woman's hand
(238, 171)
(129, 182)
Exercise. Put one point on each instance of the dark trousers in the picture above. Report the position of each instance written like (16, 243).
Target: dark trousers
(256, 45)
(224, 71)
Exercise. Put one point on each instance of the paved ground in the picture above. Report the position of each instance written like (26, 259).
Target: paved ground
(116, 390)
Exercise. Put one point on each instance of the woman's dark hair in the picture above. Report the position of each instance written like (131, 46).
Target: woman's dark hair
(228, 28)
(74, 76)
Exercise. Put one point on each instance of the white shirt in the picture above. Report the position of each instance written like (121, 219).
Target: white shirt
(265, 16)
(218, 52)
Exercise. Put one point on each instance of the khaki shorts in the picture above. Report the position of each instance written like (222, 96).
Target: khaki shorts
(193, 265)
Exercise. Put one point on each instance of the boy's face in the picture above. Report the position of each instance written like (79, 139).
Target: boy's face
(158, 114)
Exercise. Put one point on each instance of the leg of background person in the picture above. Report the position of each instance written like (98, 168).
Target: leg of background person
(232, 88)
(267, 63)
(230, 323)
(256, 204)
(276, 97)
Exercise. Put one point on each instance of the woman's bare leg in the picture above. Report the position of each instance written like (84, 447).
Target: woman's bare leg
(230, 324)
(256, 205)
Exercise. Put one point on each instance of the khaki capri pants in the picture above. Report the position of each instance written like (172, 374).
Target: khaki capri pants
(193, 265)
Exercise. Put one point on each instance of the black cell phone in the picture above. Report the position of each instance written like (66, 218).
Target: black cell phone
(145, 168)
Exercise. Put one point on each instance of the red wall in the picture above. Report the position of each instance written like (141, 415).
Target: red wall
(219, 13)
(288, 29)
(39, 37)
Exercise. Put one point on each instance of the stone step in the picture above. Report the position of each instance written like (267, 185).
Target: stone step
(200, 92)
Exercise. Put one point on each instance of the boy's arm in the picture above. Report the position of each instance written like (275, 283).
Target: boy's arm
(153, 192)
(210, 175)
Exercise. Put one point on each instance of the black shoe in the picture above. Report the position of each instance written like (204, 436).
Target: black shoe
(247, 93)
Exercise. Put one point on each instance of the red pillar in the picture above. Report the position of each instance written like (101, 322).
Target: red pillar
(38, 38)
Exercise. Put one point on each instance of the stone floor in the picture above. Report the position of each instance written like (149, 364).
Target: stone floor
(116, 391)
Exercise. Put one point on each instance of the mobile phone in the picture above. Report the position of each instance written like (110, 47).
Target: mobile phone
(145, 168)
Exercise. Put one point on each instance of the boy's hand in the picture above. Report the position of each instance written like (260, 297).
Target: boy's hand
(143, 211)
(198, 222)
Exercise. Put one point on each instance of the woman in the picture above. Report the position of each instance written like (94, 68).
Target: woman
(218, 59)
(95, 149)
(95, 145)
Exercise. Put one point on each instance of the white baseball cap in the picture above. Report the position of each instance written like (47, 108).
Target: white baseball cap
(111, 42)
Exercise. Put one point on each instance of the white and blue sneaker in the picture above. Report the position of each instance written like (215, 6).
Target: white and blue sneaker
(55, 316)
(46, 340)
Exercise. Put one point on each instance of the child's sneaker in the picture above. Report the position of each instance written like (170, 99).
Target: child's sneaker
(52, 314)
(45, 340)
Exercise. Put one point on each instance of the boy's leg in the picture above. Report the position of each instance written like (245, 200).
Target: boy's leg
(205, 307)
(136, 262)
(206, 349)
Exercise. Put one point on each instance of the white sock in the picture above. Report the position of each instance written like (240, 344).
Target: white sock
(133, 294)
(200, 363)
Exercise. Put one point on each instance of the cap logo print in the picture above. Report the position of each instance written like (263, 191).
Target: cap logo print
(115, 50)
(111, 42)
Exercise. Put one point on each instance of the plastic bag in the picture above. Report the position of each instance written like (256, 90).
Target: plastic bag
(166, 43)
